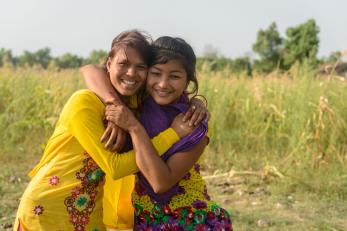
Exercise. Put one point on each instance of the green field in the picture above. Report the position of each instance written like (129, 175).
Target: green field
(277, 158)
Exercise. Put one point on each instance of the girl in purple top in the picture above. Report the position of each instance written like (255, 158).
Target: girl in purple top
(170, 193)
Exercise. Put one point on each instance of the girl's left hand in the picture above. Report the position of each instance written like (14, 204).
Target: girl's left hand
(196, 112)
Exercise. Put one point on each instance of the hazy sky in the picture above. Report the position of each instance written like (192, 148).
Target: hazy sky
(231, 26)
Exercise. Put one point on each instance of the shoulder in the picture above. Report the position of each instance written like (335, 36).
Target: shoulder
(80, 101)
(84, 94)
(85, 98)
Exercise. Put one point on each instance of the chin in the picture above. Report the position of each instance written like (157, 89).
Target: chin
(161, 101)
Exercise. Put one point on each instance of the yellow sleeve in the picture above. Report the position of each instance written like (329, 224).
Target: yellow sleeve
(82, 116)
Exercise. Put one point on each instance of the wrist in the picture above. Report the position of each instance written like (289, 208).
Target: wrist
(178, 132)
(112, 98)
(135, 128)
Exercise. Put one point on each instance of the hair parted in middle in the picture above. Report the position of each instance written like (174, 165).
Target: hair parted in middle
(136, 39)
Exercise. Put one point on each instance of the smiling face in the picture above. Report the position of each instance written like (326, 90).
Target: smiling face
(127, 71)
(166, 82)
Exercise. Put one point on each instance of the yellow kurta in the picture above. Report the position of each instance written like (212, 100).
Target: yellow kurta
(66, 189)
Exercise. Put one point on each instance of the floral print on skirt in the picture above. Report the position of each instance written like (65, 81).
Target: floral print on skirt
(185, 218)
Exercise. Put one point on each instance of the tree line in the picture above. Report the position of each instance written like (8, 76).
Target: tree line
(272, 51)
(44, 59)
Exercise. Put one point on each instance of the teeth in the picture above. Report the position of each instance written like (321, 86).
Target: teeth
(162, 93)
(129, 82)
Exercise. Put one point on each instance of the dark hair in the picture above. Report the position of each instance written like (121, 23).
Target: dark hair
(136, 39)
(168, 48)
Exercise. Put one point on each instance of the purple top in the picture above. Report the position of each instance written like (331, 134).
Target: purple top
(156, 118)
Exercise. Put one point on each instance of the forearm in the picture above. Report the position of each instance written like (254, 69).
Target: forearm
(97, 81)
(156, 171)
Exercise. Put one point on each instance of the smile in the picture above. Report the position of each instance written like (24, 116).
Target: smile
(162, 93)
(128, 82)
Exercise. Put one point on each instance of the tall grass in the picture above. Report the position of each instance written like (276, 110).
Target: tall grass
(291, 127)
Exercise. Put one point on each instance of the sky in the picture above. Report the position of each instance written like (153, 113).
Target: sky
(229, 26)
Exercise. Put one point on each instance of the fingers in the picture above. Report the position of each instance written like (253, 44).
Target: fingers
(111, 108)
(112, 118)
(197, 117)
(106, 134)
(112, 138)
(120, 141)
(189, 113)
(194, 117)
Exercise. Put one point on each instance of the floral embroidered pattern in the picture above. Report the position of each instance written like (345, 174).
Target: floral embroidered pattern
(197, 167)
(54, 180)
(199, 204)
(207, 197)
(38, 210)
(187, 176)
(185, 218)
(81, 202)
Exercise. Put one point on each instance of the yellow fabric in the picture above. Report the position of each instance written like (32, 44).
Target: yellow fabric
(66, 189)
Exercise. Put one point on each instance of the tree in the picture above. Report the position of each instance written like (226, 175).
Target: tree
(69, 60)
(96, 57)
(268, 46)
(241, 65)
(301, 44)
(27, 58)
(6, 57)
(41, 57)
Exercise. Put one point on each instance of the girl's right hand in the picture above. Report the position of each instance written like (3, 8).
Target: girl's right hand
(121, 116)
(182, 128)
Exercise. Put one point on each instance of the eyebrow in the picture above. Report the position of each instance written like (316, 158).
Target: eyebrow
(170, 71)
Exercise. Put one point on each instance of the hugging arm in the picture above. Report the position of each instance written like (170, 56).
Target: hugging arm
(98, 82)
(160, 174)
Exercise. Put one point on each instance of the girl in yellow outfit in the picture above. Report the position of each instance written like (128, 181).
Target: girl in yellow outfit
(66, 189)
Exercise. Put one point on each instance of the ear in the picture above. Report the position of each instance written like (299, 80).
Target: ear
(108, 64)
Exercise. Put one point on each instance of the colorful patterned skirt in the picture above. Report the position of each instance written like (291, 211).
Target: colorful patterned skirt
(184, 218)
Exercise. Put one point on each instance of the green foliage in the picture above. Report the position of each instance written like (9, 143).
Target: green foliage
(301, 44)
(268, 46)
(237, 66)
(41, 58)
(6, 57)
(69, 60)
(296, 124)
(96, 57)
